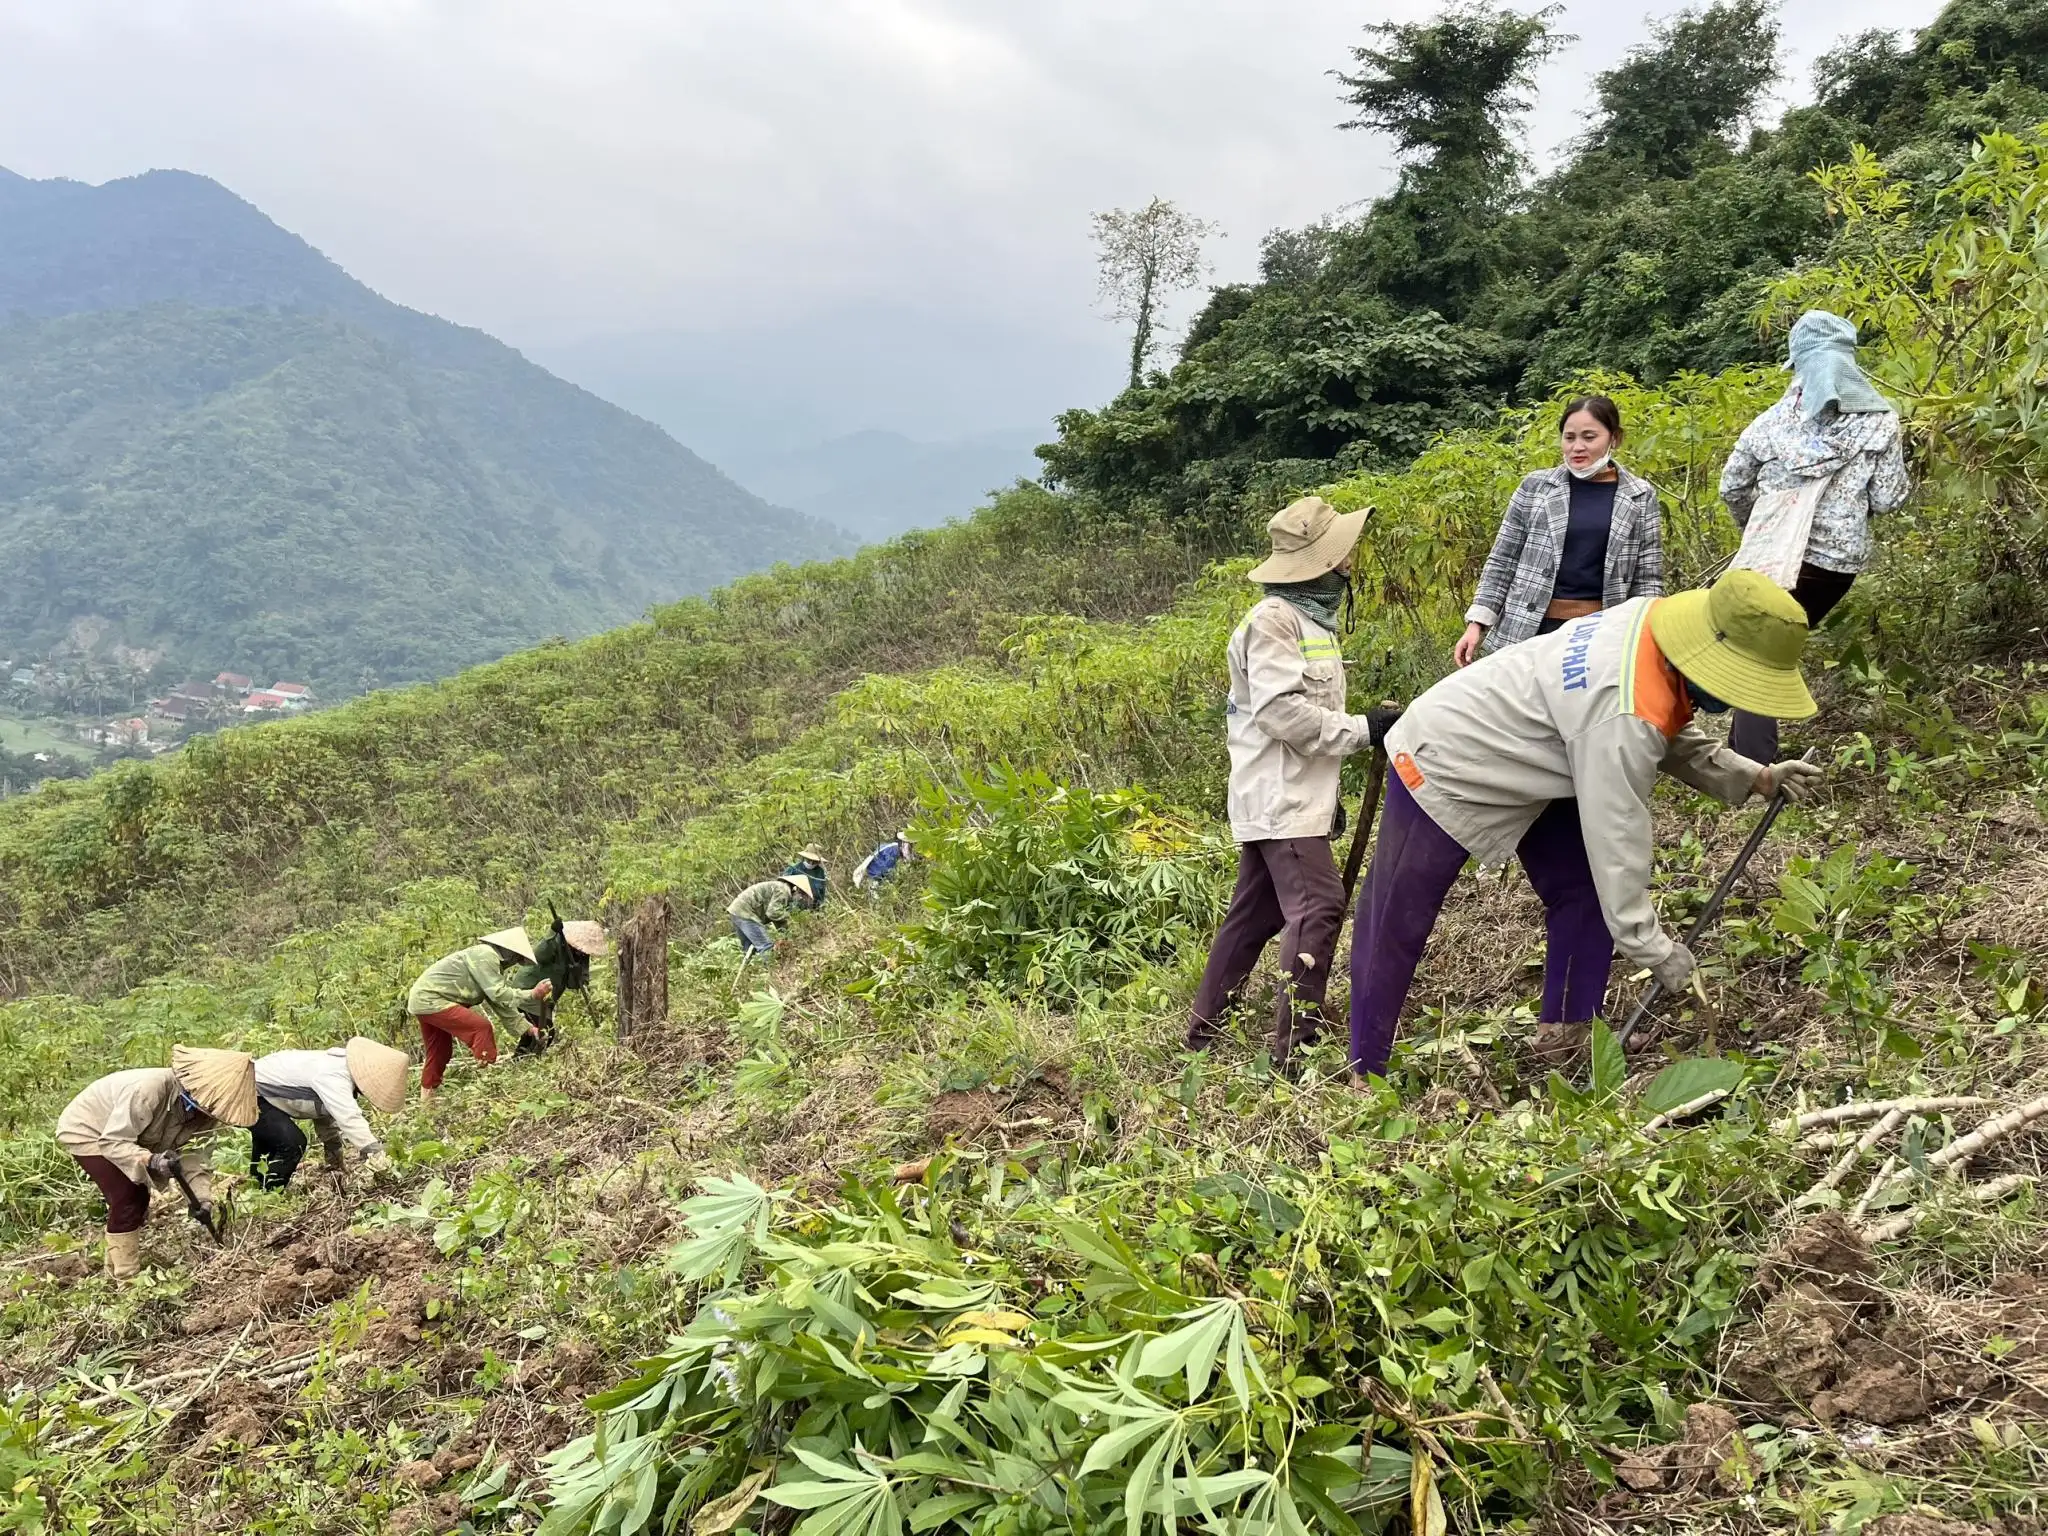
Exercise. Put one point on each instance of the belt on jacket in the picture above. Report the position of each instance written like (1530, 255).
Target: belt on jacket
(1571, 607)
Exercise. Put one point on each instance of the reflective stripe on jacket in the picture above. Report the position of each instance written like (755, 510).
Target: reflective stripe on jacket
(1592, 710)
(1287, 729)
(126, 1116)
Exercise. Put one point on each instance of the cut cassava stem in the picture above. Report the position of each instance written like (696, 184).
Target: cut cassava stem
(1687, 1110)
(1983, 1194)
(1837, 1113)
(1870, 1138)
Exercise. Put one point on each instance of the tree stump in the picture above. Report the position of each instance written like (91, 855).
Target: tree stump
(643, 967)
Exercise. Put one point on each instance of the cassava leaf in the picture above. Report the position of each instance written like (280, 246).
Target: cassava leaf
(1686, 1080)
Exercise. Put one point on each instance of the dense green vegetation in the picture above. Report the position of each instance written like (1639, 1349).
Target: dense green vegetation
(1472, 284)
(926, 1222)
(238, 456)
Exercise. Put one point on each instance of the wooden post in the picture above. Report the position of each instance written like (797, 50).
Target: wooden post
(643, 967)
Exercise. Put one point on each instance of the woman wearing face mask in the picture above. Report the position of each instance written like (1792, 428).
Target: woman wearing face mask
(1578, 538)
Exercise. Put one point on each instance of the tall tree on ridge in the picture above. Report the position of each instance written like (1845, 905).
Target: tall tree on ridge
(1450, 93)
(1142, 256)
(1691, 85)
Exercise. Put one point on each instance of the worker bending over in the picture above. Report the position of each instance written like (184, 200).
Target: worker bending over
(1288, 734)
(767, 904)
(148, 1125)
(322, 1086)
(1490, 761)
(561, 959)
(445, 1000)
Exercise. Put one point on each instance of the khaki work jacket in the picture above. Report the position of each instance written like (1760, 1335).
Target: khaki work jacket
(1287, 728)
(126, 1116)
(1592, 711)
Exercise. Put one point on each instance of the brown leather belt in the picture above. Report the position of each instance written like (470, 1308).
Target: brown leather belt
(1570, 608)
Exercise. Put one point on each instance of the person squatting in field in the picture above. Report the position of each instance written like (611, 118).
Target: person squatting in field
(322, 1087)
(1288, 734)
(445, 999)
(147, 1126)
(1590, 713)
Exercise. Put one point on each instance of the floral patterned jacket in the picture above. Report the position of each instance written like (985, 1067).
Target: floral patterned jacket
(1861, 450)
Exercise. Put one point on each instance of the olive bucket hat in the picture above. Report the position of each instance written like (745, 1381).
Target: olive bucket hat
(1310, 539)
(1740, 640)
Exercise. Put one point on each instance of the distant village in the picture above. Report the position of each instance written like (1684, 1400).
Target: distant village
(43, 698)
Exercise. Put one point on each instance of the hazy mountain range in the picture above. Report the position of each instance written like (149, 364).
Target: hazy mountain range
(225, 447)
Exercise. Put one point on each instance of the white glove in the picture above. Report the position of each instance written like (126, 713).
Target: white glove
(378, 1161)
(1796, 778)
(1674, 971)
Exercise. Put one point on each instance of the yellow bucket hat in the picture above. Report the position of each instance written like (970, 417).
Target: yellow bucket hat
(1740, 640)
(380, 1071)
(1310, 539)
(223, 1083)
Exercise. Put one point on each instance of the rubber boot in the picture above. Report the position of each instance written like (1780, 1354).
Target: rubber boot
(124, 1254)
(427, 1098)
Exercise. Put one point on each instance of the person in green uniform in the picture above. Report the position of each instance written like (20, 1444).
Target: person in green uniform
(562, 958)
(767, 904)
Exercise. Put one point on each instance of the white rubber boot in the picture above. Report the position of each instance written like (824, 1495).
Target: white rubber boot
(124, 1254)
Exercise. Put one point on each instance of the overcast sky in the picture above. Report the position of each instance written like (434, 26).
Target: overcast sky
(557, 170)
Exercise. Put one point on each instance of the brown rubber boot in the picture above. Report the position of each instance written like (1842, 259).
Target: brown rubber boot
(124, 1254)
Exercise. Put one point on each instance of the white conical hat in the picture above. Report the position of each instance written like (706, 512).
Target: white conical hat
(223, 1082)
(586, 937)
(380, 1071)
(512, 940)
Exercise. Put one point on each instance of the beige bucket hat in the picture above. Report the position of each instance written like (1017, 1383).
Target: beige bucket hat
(586, 937)
(223, 1082)
(813, 853)
(1310, 539)
(512, 941)
(380, 1071)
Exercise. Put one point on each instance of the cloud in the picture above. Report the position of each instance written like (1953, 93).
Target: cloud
(553, 172)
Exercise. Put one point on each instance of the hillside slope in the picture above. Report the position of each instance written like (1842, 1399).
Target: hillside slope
(236, 453)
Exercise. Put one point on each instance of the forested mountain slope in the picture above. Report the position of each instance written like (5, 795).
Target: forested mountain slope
(221, 443)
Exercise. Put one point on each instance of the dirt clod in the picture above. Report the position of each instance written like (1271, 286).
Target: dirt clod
(1922, 1525)
(1889, 1394)
(1713, 1452)
(419, 1474)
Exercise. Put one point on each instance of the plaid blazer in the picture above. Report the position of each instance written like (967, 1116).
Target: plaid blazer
(1521, 572)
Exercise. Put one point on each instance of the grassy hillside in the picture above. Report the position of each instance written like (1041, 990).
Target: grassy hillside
(236, 454)
(928, 1223)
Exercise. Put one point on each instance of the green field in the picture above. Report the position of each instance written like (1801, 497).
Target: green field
(24, 736)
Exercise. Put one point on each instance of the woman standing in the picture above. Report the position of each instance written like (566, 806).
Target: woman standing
(1831, 425)
(1582, 537)
(1578, 538)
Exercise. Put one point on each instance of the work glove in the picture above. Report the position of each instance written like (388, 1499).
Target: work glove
(1797, 778)
(202, 1212)
(1674, 971)
(160, 1166)
(378, 1161)
(1380, 721)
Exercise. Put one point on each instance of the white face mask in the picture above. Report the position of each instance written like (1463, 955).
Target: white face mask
(1598, 466)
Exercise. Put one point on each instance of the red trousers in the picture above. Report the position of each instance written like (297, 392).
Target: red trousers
(441, 1030)
(127, 1201)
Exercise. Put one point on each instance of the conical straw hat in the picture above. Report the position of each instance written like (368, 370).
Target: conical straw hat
(512, 940)
(380, 1071)
(586, 937)
(224, 1082)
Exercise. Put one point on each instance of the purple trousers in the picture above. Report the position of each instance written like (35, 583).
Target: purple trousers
(1285, 886)
(1414, 865)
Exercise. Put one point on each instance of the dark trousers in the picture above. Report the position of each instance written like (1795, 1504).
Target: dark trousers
(1414, 865)
(1287, 886)
(276, 1145)
(1817, 591)
(127, 1201)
